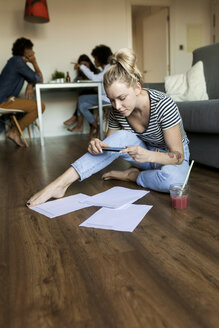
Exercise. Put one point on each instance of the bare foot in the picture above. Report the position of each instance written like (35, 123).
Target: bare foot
(55, 189)
(127, 175)
(14, 136)
(94, 132)
(51, 191)
(76, 129)
(71, 120)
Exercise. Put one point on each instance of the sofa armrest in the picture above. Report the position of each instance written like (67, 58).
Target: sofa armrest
(200, 116)
(155, 85)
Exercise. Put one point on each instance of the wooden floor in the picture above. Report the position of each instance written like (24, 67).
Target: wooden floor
(54, 273)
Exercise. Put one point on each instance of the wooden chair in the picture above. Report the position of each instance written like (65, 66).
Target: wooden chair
(12, 113)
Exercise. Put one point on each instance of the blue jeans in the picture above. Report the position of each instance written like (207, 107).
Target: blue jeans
(84, 103)
(153, 176)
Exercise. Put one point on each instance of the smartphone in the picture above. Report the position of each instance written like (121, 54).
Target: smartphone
(113, 148)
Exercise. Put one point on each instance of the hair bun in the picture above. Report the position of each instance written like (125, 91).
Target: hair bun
(123, 67)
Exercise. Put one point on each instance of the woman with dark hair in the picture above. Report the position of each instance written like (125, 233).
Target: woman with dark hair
(101, 56)
(84, 59)
(12, 78)
(77, 117)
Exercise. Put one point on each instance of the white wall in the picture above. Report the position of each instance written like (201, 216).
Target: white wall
(183, 13)
(77, 27)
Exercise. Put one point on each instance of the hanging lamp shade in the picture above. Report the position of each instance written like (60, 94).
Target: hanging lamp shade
(36, 11)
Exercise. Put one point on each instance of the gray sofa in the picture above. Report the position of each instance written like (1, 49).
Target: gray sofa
(201, 118)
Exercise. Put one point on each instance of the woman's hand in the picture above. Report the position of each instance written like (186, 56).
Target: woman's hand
(138, 153)
(76, 65)
(95, 146)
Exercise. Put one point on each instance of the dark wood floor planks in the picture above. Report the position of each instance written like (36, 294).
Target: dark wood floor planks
(54, 273)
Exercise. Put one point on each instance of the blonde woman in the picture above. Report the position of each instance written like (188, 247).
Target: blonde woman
(146, 122)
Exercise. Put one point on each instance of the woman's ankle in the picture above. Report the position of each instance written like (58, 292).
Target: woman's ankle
(68, 177)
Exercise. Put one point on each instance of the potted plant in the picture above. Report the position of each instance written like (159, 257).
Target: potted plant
(58, 75)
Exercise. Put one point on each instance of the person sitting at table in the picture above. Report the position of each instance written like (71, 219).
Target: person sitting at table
(146, 122)
(101, 56)
(77, 117)
(12, 78)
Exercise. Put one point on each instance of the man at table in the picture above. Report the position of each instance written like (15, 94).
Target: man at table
(12, 78)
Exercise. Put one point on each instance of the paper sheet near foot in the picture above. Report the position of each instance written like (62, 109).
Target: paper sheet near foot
(61, 206)
(115, 197)
(117, 213)
(122, 219)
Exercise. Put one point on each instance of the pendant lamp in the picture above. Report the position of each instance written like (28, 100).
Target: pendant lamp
(36, 11)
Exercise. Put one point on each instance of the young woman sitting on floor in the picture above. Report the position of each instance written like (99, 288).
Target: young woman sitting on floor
(146, 122)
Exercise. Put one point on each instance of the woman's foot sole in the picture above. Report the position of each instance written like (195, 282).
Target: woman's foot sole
(127, 175)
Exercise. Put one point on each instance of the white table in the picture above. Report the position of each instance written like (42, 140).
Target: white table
(45, 86)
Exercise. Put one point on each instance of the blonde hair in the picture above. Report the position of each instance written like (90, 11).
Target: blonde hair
(123, 68)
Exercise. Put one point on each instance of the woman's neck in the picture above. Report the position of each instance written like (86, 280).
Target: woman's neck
(142, 103)
(139, 118)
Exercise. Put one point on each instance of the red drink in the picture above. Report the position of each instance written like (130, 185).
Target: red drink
(179, 202)
(179, 195)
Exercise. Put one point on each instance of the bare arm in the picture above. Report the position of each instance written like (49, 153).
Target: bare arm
(173, 141)
(29, 93)
(33, 61)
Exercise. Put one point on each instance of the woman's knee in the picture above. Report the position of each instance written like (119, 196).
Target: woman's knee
(123, 134)
(120, 136)
(81, 99)
(160, 180)
(170, 174)
(83, 106)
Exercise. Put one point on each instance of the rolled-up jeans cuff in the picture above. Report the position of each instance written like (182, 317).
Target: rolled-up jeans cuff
(85, 173)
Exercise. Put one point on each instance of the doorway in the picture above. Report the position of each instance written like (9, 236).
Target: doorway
(151, 42)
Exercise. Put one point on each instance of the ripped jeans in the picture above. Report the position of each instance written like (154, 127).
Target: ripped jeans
(153, 176)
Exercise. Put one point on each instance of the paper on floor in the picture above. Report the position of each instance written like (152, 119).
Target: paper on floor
(61, 206)
(122, 219)
(115, 197)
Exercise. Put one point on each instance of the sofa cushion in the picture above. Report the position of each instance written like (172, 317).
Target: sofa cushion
(187, 87)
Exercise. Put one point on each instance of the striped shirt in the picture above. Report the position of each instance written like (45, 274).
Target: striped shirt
(164, 114)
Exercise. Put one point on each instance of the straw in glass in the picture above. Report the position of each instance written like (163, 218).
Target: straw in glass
(186, 179)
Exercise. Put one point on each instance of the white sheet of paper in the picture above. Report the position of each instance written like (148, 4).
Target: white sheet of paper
(115, 197)
(61, 206)
(123, 219)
